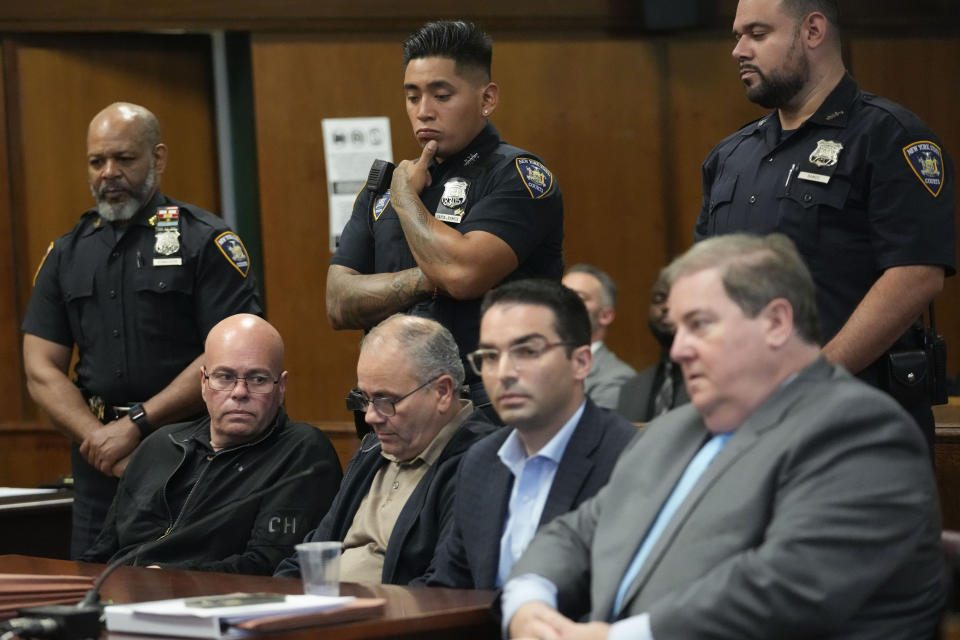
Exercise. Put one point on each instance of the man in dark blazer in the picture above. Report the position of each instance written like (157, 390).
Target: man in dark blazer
(788, 500)
(396, 498)
(657, 389)
(559, 447)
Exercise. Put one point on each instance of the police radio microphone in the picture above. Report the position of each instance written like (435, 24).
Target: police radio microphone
(84, 620)
(380, 175)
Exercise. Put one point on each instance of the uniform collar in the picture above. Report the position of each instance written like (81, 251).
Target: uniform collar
(486, 141)
(834, 112)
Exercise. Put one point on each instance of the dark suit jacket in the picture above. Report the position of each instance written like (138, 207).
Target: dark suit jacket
(636, 394)
(423, 518)
(471, 555)
(819, 519)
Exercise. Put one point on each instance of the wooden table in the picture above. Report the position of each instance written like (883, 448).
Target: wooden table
(411, 612)
(36, 524)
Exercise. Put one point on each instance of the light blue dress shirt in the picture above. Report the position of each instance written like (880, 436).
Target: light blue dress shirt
(532, 479)
(530, 587)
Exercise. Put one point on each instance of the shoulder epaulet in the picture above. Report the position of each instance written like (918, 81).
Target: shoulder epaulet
(911, 123)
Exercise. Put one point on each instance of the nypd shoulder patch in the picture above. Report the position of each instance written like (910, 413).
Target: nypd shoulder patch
(380, 204)
(926, 162)
(233, 250)
(536, 177)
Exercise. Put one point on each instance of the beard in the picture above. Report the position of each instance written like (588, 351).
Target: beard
(662, 333)
(781, 85)
(137, 198)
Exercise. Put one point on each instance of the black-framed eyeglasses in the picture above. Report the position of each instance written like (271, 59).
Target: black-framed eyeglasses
(257, 383)
(384, 405)
(518, 355)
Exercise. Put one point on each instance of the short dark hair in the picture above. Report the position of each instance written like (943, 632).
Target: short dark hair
(572, 322)
(463, 42)
(607, 285)
(755, 270)
(800, 9)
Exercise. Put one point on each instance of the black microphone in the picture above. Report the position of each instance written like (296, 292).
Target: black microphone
(55, 621)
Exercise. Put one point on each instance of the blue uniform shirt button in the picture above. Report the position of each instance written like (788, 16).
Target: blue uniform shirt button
(752, 199)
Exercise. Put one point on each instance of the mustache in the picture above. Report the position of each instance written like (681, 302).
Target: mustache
(748, 67)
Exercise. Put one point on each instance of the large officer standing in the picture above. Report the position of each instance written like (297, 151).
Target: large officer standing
(470, 213)
(859, 183)
(136, 286)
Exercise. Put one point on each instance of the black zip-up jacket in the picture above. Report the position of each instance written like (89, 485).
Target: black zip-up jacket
(424, 520)
(251, 538)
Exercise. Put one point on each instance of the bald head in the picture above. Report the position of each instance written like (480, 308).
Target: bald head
(242, 381)
(246, 331)
(139, 120)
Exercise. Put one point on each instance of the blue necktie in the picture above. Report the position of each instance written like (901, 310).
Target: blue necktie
(689, 478)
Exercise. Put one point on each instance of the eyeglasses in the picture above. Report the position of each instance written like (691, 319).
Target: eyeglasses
(384, 405)
(518, 355)
(222, 381)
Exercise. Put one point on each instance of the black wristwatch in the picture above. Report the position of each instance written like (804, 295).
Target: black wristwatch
(139, 417)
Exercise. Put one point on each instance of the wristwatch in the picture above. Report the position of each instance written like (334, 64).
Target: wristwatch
(139, 417)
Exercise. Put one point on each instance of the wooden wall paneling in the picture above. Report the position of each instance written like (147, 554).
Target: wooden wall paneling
(921, 74)
(706, 104)
(298, 81)
(12, 406)
(53, 87)
(590, 107)
(62, 83)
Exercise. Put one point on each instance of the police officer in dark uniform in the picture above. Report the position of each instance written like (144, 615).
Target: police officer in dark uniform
(859, 183)
(470, 213)
(135, 286)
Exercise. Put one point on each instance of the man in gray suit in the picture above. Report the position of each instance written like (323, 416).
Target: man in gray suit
(789, 499)
(599, 295)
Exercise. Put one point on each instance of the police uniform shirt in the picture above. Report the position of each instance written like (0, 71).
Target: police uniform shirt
(137, 317)
(488, 186)
(861, 186)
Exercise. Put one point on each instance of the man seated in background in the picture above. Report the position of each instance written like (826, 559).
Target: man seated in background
(599, 294)
(200, 477)
(397, 495)
(659, 388)
(789, 499)
(558, 448)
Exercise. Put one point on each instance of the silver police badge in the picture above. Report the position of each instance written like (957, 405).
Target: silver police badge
(167, 242)
(826, 153)
(454, 193)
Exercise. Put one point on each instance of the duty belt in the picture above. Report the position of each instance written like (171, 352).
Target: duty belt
(105, 412)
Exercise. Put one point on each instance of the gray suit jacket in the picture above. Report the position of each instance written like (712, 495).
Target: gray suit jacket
(818, 519)
(470, 555)
(606, 376)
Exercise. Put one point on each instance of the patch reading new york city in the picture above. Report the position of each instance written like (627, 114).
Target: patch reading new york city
(535, 176)
(233, 250)
(926, 162)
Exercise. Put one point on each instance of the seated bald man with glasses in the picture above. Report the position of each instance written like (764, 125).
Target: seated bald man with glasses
(397, 495)
(559, 447)
(182, 480)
